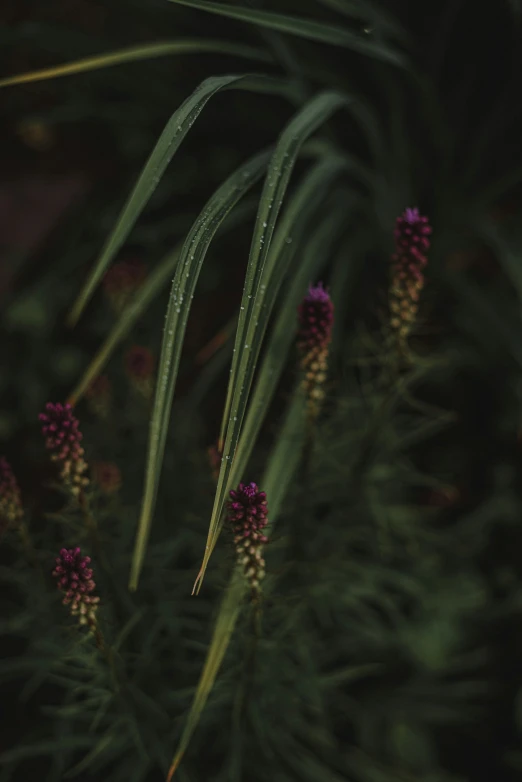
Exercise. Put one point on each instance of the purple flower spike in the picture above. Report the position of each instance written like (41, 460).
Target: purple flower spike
(74, 578)
(412, 242)
(313, 340)
(10, 499)
(63, 438)
(411, 235)
(315, 319)
(247, 514)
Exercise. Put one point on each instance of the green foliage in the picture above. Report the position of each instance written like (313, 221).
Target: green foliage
(386, 644)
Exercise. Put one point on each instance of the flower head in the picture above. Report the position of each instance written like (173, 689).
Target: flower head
(108, 476)
(315, 319)
(247, 514)
(140, 365)
(313, 340)
(122, 280)
(408, 261)
(74, 579)
(10, 499)
(63, 439)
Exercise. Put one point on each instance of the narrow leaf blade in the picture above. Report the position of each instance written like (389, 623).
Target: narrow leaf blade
(313, 257)
(304, 28)
(134, 54)
(255, 307)
(168, 143)
(183, 286)
(143, 298)
(280, 470)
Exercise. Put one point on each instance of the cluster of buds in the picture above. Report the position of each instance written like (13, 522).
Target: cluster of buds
(313, 342)
(122, 281)
(108, 476)
(140, 365)
(247, 515)
(98, 396)
(63, 439)
(74, 579)
(408, 261)
(11, 511)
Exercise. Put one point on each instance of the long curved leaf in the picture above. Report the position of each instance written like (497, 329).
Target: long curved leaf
(171, 138)
(139, 303)
(183, 286)
(135, 53)
(255, 306)
(304, 28)
(152, 286)
(314, 256)
(373, 15)
(280, 470)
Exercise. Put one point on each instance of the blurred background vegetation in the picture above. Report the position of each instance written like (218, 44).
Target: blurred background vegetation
(391, 648)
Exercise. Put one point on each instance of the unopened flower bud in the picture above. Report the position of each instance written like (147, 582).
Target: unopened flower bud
(313, 341)
(247, 515)
(63, 440)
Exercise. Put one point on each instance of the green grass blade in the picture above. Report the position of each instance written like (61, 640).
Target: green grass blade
(24, 751)
(171, 138)
(136, 53)
(314, 257)
(255, 306)
(507, 245)
(280, 470)
(374, 16)
(149, 290)
(310, 194)
(100, 747)
(223, 630)
(140, 302)
(187, 272)
(286, 455)
(280, 171)
(300, 209)
(304, 28)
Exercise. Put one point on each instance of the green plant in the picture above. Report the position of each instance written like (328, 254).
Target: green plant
(373, 643)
